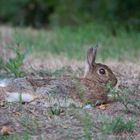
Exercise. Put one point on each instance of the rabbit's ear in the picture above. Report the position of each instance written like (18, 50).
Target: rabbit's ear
(90, 61)
(91, 56)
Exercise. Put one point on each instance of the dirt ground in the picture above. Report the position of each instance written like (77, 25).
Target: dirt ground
(35, 122)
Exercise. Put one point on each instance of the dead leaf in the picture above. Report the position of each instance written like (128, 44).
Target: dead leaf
(6, 130)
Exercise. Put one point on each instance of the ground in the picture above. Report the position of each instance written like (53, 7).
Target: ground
(117, 120)
(76, 123)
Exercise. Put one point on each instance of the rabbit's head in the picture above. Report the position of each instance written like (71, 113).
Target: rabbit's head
(98, 72)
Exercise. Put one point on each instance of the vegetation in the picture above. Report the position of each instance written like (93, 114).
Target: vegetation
(14, 65)
(117, 125)
(40, 13)
(24, 136)
(70, 42)
(55, 110)
(124, 96)
(72, 27)
(74, 41)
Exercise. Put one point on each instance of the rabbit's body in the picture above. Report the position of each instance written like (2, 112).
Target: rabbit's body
(92, 88)
(62, 91)
(11, 89)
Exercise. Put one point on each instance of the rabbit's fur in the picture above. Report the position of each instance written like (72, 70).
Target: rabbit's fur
(89, 89)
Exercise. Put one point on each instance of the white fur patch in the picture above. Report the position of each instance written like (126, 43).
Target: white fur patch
(17, 97)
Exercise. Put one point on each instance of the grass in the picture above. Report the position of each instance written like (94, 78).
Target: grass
(71, 42)
(87, 123)
(13, 65)
(24, 136)
(123, 96)
(117, 125)
(74, 41)
(55, 110)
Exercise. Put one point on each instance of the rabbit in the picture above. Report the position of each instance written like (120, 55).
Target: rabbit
(91, 88)
(96, 78)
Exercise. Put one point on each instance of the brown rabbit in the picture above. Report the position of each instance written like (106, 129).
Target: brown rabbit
(96, 78)
(89, 89)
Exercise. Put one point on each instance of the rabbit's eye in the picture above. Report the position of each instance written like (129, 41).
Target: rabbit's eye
(101, 71)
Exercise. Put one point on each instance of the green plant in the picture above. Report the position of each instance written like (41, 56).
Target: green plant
(117, 125)
(55, 110)
(13, 65)
(87, 123)
(111, 90)
(123, 96)
(24, 136)
(20, 103)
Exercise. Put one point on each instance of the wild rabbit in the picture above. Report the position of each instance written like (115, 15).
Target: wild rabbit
(92, 88)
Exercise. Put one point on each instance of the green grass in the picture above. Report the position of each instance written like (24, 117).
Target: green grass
(74, 41)
(13, 65)
(24, 136)
(117, 125)
(87, 123)
(55, 110)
